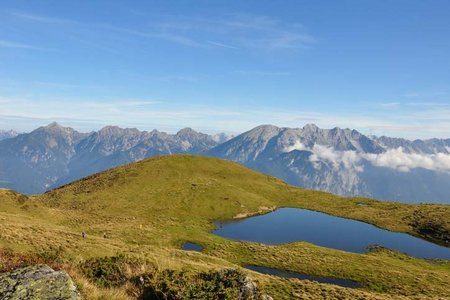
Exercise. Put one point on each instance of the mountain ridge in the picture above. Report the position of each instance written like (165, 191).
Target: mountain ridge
(345, 161)
(342, 161)
(53, 155)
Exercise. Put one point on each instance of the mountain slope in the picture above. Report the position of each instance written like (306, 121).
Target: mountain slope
(346, 162)
(146, 210)
(54, 155)
(32, 162)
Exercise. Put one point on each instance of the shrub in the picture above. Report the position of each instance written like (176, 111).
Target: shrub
(105, 271)
(173, 285)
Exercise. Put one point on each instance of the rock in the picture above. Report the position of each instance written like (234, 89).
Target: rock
(248, 289)
(37, 282)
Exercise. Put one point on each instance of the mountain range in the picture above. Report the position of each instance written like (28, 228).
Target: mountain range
(342, 161)
(346, 162)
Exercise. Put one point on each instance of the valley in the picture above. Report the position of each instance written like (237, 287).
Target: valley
(140, 214)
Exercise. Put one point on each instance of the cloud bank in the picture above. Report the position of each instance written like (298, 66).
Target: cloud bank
(401, 161)
(396, 159)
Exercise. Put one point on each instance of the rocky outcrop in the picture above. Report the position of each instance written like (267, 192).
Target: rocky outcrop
(249, 291)
(37, 282)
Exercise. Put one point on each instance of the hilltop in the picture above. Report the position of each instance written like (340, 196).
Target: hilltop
(146, 210)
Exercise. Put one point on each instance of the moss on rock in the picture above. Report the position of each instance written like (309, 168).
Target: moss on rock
(37, 282)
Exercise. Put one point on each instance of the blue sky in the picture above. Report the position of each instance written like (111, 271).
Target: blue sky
(382, 67)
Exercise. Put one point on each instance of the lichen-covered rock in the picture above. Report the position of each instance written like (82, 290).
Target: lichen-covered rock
(37, 282)
(248, 290)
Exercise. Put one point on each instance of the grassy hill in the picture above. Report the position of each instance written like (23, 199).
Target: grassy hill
(137, 216)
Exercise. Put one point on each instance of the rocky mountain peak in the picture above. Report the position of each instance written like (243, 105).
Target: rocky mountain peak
(53, 125)
(55, 128)
(263, 132)
(187, 133)
(118, 130)
(311, 127)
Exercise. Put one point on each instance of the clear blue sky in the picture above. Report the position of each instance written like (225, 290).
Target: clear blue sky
(382, 67)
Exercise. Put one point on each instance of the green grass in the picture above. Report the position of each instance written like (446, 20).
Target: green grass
(176, 198)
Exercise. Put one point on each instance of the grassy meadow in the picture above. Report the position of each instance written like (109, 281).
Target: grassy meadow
(136, 217)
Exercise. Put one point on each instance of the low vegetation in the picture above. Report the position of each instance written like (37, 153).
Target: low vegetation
(136, 217)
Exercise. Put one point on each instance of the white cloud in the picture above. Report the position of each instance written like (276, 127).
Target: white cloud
(296, 146)
(346, 159)
(402, 161)
(396, 159)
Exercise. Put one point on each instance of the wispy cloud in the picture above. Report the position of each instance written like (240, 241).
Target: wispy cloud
(425, 94)
(40, 18)
(261, 73)
(117, 105)
(235, 31)
(390, 104)
(63, 85)
(428, 104)
(256, 31)
(161, 114)
(10, 44)
(221, 45)
(20, 85)
(164, 35)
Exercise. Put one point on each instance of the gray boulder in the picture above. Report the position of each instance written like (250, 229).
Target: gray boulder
(37, 282)
(249, 291)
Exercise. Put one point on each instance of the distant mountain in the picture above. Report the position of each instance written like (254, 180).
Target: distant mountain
(54, 155)
(342, 161)
(114, 146)
(430, 146)
(32, 162)
(6, 134)
(346, 162)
